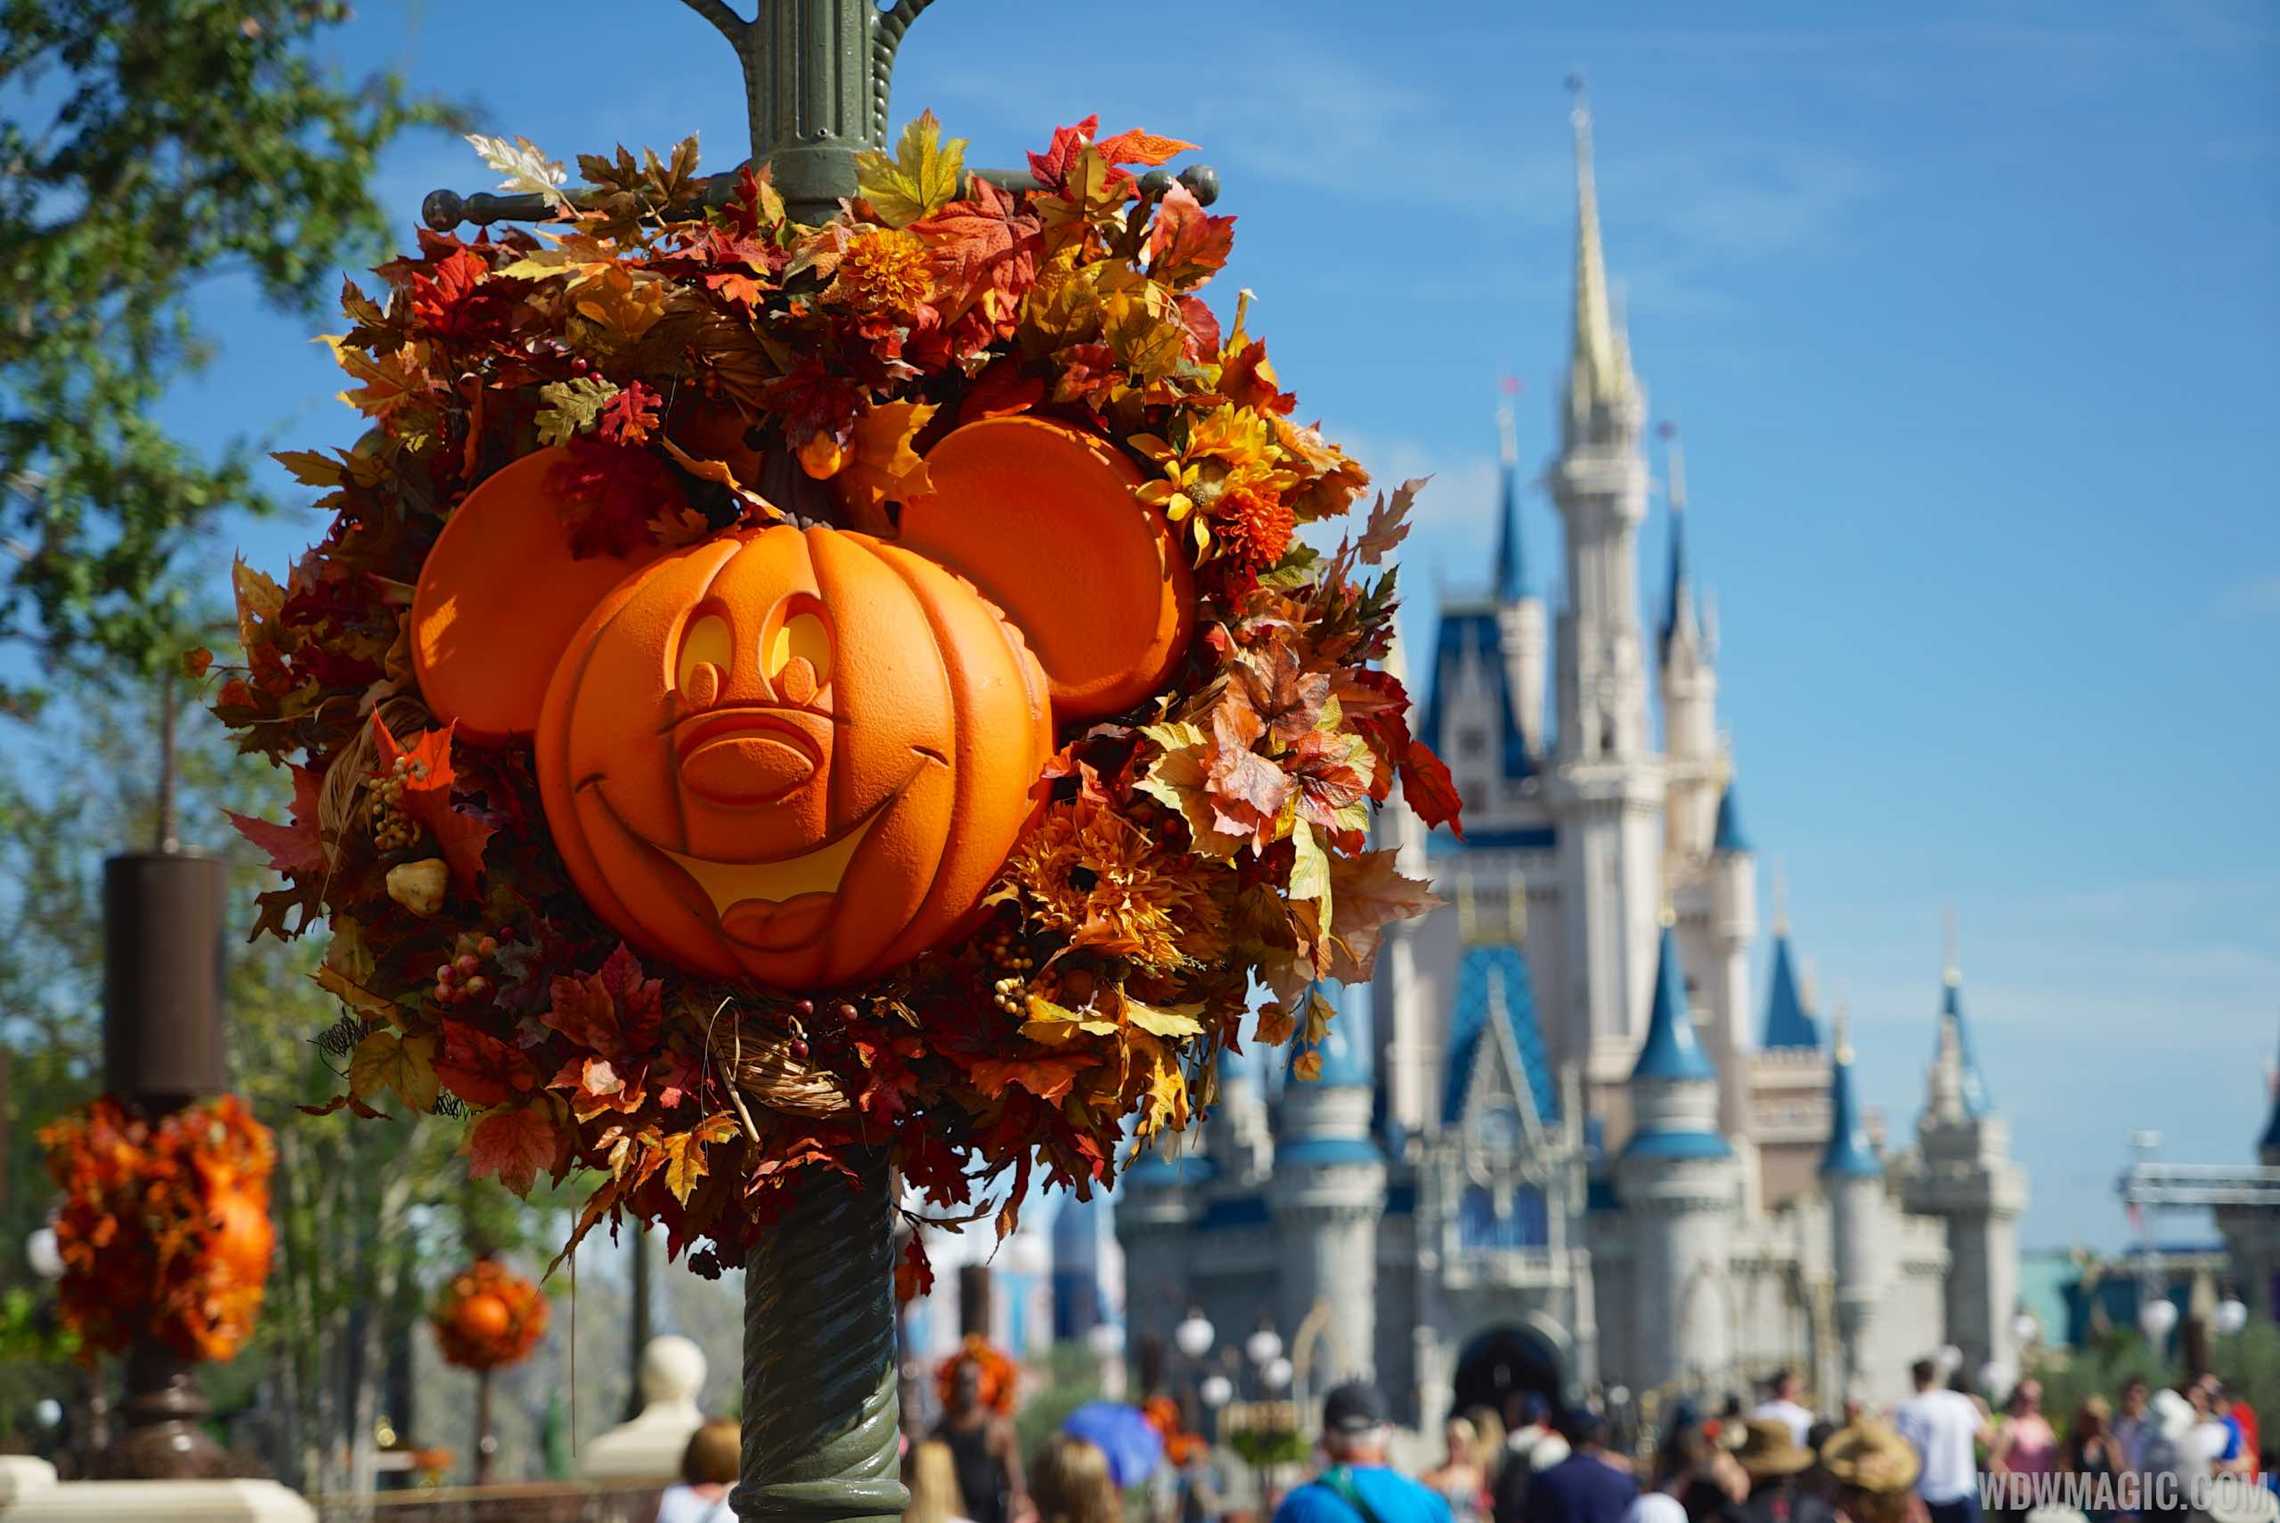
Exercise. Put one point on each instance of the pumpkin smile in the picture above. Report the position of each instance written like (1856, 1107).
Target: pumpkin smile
(778, 904)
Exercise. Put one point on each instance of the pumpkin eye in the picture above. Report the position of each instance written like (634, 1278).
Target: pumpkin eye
(802, 637)
(707, 641)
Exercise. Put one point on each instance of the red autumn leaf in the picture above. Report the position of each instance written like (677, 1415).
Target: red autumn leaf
(640, 1001)
(1188, 245)
(1138, 147)
(1202, 326)
(516, 1145)
(298, 847)
(630, 417)
(481, 1069)
(976, 246)
(914, 1275)
(1089, 372)
(1429, 790)
(1051, 168)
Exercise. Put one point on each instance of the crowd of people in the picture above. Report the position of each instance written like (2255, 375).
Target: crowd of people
(1937, 1455)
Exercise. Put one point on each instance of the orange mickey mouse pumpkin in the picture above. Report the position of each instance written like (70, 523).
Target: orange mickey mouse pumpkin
(798, 756)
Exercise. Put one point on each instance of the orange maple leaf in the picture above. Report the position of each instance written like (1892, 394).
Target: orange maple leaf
(515, 1145)
(427, 799)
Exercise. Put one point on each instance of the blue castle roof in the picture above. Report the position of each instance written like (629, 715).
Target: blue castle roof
(1470, 636)
(1671, 1051)
(1487, 978)
(1346, 1057)
(1511, 557)
(1787, 1026)
(1676, 601)
(1850, 1155)
(1976, 1100)
(1729, 835)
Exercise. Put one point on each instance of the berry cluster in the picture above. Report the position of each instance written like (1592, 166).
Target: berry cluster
(1002, 949)
(392, 829)
(463, 978)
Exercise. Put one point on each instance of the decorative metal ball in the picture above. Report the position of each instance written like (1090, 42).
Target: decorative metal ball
(1217, 1391)
(2231, 1317)
(1263, 1347)
(1202, 182)
(2157, 1318)
(1277, 1375)
(442, 209)
(1194, 1336)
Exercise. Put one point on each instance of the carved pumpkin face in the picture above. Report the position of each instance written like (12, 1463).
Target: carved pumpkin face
(757, 731)
(797, 757)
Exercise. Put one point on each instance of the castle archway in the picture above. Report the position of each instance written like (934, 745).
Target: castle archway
(1501, 1364)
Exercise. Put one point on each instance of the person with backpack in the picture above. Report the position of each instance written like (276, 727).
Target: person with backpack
(1359, 1486)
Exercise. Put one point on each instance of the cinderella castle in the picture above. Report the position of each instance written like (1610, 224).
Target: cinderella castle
(1558, 1144)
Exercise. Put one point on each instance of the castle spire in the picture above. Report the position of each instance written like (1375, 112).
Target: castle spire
(1599, 365)
(1975, 1098)
(1511, 558)
(1679, 615)
(1850, 1153)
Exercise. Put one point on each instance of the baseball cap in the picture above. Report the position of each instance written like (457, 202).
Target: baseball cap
(1355, 1407)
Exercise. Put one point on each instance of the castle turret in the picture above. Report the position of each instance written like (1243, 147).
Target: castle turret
(1733, 927)
(1697, 767)
(1236, 1135)
(1969, 1181)
(1158, 1201)
(1519, 611)
(1678, 1185)
(1853, 1178)
(1327, 1193)
(1607, 789)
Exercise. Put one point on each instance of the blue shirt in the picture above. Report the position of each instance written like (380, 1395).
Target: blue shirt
(1580, 1489)
(1395, 1498)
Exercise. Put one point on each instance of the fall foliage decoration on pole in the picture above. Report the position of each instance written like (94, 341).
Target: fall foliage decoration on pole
(799, 692)
(486, 1318)
(163, 1225)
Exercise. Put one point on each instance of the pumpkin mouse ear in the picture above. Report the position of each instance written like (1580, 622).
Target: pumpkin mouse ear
(499, 597)
(1043, 521)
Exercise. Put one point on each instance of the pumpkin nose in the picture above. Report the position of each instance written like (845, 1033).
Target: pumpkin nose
(746, 761)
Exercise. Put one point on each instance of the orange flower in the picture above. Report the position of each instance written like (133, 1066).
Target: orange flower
(999, 1375)
(1254, 525)
(882, 273)
(1097, 877)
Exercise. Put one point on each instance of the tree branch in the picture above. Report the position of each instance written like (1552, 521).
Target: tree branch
(729, 24)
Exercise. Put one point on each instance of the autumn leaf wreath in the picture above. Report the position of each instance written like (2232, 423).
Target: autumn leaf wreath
(771, 691)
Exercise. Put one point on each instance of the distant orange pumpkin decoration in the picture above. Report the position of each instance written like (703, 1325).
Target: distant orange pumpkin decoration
(488, 1316)
(481, 1316)
(799, 756)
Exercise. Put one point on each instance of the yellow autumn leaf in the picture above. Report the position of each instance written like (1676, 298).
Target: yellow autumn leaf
(924, 175)
(881, 466)
(405, 1065)
(1172, 1021)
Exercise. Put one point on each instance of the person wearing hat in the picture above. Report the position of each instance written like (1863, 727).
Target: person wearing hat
(1358, 1486)
(1773, 1459)
(1590, 1485)
(1874, 1470)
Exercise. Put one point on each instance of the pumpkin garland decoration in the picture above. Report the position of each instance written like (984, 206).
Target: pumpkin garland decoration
(163, 1225)
(997, 1378)
(771, 690)
(488, 1317)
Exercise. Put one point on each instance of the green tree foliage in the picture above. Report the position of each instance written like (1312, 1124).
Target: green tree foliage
(147, 147)
(2248, 1363)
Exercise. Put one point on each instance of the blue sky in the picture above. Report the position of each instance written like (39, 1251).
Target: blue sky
(1968, 314)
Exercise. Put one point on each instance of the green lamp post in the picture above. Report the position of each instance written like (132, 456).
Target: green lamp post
(821, 1407)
